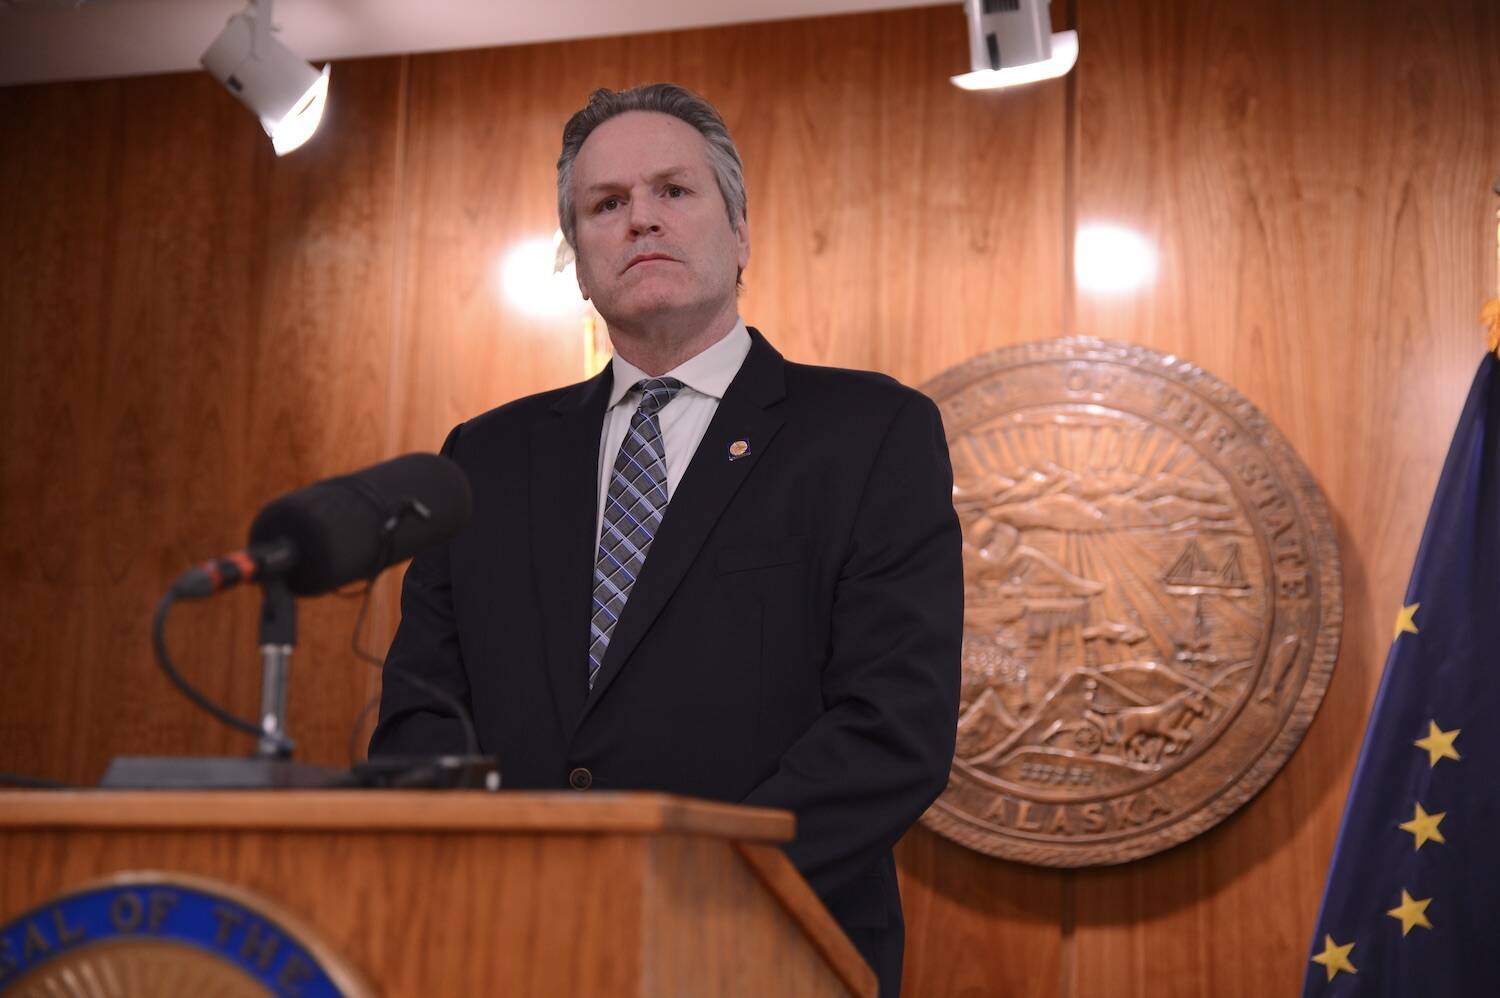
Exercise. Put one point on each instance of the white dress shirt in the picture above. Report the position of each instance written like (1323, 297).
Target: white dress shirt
(683, 420)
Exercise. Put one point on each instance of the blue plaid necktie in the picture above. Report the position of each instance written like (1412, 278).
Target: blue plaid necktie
(633, 508)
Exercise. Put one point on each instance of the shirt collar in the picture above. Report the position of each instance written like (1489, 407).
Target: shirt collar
(709, 372)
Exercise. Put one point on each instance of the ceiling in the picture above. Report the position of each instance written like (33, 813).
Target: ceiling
(43, 40)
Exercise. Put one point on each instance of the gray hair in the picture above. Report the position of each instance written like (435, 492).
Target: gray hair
(663, 98)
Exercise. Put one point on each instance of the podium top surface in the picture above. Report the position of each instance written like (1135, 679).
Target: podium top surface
(394, 810)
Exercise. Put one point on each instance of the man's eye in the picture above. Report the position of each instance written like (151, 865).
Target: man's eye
(608, 204)
(673, 191)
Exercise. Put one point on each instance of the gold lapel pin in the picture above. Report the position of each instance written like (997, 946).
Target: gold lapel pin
(739, 449)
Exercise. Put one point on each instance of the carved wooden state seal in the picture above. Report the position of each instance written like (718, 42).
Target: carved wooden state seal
(150, 934)
(1153, 601)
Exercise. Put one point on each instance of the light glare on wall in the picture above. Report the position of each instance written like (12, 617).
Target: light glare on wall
(531, 281)
(1112, 259)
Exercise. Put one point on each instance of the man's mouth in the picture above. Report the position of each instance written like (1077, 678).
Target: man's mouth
(646, 258)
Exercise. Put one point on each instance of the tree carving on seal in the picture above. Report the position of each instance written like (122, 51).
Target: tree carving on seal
(1153, 601)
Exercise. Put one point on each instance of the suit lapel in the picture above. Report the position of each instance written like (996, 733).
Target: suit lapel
(564, 500)
(710, 482)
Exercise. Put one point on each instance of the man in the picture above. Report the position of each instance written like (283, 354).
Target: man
(706, 571)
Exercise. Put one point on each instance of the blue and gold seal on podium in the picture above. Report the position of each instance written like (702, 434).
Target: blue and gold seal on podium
(164, 934)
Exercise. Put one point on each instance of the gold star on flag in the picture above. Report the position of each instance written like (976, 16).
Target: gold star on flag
(1424, 826)
(1411, 913)
(1404, 622)
(1335, 957)
(1438, 743)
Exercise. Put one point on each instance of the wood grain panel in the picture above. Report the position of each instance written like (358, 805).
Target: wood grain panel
(466, 894)
(717, 926)
(402, 810)
(889, 227)
(193, 327)
(776, 873)
(481, 144)
(415, 925)
(977, 925)
(1316, 184)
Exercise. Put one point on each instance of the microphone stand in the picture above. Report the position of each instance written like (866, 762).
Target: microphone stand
(272, 766)
(278, 636)
(267, 560)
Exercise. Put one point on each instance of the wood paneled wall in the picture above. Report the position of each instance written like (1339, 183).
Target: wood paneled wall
(189, 326)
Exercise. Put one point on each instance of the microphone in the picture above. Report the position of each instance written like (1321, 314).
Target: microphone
(343, 529)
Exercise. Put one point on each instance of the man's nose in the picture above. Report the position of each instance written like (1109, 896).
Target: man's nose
(644, 218)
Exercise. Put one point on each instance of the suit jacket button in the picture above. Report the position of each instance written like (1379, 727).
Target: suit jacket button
(580, 779)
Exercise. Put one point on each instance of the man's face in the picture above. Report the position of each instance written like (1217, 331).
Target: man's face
(652, 231)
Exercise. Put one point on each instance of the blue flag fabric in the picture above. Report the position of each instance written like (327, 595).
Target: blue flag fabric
(1412, 904)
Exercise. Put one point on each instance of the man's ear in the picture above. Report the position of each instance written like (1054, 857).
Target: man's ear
(583, 287)
(742, 236)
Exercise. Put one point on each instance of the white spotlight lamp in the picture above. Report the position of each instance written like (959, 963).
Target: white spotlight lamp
(279, 86)
(1011, 43)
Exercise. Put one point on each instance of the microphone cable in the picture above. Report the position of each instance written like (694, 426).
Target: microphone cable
(462, 713)
(164, 659)
(392, 516)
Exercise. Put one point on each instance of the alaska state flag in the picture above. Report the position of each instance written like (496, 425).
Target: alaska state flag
(1412, 904)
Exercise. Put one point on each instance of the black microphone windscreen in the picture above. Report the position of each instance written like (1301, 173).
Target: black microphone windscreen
(339, 526)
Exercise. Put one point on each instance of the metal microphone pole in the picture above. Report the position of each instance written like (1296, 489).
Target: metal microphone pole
(278, 636)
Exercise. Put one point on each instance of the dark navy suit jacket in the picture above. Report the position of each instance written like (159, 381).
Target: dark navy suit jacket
(792, 640)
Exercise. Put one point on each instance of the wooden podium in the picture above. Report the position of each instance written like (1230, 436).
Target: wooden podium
(469, 893)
